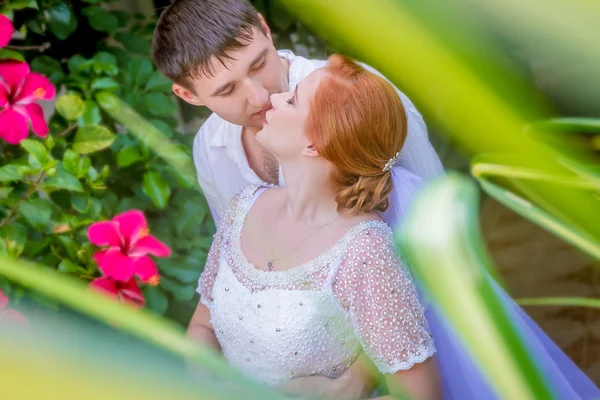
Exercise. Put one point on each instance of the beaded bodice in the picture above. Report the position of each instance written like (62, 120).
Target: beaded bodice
(313, 319)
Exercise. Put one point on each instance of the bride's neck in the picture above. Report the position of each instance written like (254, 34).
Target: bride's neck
(309, 196)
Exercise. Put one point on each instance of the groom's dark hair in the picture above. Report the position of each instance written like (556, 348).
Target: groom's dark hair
(190, 32)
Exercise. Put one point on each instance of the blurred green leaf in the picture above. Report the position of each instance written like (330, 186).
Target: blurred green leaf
(104, 83)
(71, 161)
(180, 291)
(10, 173)
(157, 188)
(128, 156)
(4, 192)
(183, 268)
(159, 104)
(101, 20)
(63, 180)
(91, 138)
(135, 44)
(76, 64)
(80, 202)
(140, 71)
(70, 106)
(14, 236)
(91, 114)
(61, 20)
(8, 54)
(48, 66)
(163, 127)
(69, 266)
(36, 211)
(123, 17)
(36, 149)
(158, 83)
(156, 299)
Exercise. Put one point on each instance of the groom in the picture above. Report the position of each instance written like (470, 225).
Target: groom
(220, 54)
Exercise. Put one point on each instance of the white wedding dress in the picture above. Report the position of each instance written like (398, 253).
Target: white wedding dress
(316, 318)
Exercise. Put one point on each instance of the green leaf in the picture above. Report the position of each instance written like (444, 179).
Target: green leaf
(4, 192)
(91, 114)
(61, 20)
(21, 4)
(104, 83)
(156, 187)
(50, 142)
(101, 20)
(105, 57)
(34, 247)
(36, 211)
(8, 54)
(91, 138)
(133, 43)
(80, 202)
(127, 156)
(179, 291)
(36, 149)
(139, 70)
(76, 64)
(159, 104)
(122, 17)
(156, 299)
(184, 269)
(48, 66)
(9, 173)
(71, 161)
(163, 127)
(70, 245)
(15, 237)
(83, 166)
(158, 83)
(69, 266)
(70, 106)
(63, 180)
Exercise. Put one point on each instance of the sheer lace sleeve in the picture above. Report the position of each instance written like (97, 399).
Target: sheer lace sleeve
(376, 289)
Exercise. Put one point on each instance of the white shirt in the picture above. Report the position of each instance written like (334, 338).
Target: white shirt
(223, 169)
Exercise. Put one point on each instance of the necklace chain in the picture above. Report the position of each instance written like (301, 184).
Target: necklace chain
(272, 259)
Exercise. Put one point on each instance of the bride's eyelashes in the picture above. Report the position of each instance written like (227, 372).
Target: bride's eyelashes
(290, 101)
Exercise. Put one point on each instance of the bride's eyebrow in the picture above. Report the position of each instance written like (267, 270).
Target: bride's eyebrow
(296, 94)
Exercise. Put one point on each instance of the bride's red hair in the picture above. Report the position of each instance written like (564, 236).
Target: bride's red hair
(358, 123)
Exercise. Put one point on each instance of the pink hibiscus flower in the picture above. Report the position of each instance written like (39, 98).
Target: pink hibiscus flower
(19, 89)
(129, 241)
(6, 30)
(128, 292)
(9, 315)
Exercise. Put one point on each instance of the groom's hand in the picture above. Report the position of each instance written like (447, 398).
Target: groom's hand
(356, 383)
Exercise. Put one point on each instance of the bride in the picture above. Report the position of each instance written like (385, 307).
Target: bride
(302, 279)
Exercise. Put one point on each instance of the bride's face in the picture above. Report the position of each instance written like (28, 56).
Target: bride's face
(283, 133)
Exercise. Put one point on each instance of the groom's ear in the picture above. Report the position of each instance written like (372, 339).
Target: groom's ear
(310, 151)
(187, 95)
(264, 27)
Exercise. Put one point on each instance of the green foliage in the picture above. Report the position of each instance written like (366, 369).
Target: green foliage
(92, 166)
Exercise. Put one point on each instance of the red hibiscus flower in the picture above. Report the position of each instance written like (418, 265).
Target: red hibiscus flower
(19, 90)
(129, 243)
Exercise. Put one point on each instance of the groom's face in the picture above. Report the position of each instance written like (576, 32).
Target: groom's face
(240, 87)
